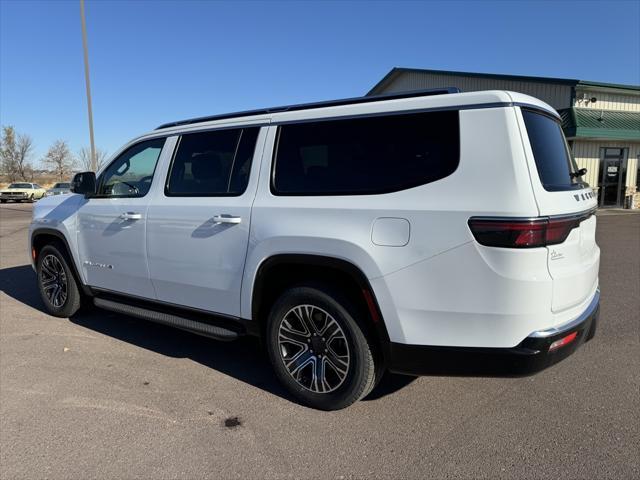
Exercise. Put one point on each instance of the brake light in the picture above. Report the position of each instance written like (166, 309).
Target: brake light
(563, 341)
(530, 233)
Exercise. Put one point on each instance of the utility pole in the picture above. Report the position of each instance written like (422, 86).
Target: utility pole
(86, 79)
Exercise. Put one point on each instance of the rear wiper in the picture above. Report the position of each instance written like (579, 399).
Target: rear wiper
(579, 173)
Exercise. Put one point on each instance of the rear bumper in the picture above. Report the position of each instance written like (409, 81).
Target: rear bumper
(530, 356)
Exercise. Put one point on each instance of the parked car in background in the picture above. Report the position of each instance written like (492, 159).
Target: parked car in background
(22, 192)
(59, 189)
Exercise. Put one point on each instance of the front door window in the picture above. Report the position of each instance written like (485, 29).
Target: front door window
(612, 177)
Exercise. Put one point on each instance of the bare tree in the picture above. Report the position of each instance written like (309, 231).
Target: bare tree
(24, 150)
(15, 154)
(60, 159)
(84, 158)
(9, 153)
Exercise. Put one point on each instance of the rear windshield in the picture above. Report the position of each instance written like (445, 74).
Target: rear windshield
(556, 167)
(62, 185)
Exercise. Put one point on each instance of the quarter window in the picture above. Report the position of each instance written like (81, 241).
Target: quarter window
(366, 155)
(130, 175)
(214, 163)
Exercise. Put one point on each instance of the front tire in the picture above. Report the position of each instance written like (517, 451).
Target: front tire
(318, 350)
(57, 285)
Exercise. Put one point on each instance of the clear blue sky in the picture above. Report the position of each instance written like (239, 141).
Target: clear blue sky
(158, 61)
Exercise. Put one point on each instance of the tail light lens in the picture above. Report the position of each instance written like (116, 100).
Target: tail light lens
(530, 233)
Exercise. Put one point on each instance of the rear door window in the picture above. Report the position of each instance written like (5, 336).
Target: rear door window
(366, 155)
(214, 163)
(556, 167)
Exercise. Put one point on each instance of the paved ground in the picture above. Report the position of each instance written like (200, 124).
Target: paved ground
(105, 396)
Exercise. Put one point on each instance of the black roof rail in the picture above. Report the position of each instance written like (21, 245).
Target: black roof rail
(305, 106)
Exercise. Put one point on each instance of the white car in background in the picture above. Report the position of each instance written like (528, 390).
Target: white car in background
(353, 237)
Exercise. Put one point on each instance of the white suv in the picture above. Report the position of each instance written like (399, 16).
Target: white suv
(353, 237)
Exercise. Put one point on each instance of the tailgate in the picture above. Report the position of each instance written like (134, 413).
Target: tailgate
(569, 203)
(574, 265)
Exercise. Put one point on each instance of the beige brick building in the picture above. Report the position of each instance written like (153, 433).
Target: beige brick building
(601, 120)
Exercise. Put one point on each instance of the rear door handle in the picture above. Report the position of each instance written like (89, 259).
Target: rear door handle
(227, 219)
(131, 216)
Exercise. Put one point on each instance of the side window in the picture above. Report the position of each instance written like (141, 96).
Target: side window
(366, 155)
(214, 163)
(130, 175)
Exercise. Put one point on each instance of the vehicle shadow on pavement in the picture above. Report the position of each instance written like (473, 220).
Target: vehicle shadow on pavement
(20, 283)
(243, 359)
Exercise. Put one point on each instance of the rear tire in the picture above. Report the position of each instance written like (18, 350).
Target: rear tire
(318, 350)
(56, 282)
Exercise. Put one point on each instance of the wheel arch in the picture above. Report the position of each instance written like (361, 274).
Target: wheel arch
(40, 237)
(279, 271)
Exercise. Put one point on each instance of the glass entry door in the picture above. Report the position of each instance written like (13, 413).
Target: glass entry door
(612, 176)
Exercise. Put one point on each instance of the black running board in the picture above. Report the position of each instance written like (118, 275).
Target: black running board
(171, 320)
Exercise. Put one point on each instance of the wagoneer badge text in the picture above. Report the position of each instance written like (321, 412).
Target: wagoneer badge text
(99, 265)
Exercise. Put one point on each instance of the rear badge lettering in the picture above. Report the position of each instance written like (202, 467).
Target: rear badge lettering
(556, 255)
(583, 196)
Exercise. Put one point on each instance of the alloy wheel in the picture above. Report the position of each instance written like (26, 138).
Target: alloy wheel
(53, 279)
(314, 348)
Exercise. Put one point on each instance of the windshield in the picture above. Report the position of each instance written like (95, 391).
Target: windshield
(20, 185)
(556, 166)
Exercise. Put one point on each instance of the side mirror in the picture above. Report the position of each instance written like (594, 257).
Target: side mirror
(84, 183)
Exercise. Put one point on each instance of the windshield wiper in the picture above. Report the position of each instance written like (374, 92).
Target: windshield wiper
(579, 173)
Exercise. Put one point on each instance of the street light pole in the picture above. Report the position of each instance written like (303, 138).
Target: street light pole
(86, 79)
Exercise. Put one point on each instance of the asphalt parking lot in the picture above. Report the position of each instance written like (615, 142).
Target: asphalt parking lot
(105, 396)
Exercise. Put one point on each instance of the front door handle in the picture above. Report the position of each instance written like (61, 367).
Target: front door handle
(227, 219)
(131, 216)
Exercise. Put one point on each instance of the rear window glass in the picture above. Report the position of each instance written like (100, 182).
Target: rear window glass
(556, 167)
(366, 155)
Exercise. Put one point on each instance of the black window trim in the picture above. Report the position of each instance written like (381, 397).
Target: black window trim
(242, 128)
(276, 144)
(153, 174)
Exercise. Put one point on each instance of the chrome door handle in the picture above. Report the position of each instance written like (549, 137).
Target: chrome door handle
(227, 219)
(131, 216)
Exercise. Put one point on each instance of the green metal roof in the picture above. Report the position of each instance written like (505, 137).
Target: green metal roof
(602, 124)
(588, 83)
(563, 81)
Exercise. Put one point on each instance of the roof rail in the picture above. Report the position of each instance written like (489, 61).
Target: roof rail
(305, 106)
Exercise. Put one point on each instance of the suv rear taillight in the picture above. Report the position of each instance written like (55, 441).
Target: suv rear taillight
(528, 233)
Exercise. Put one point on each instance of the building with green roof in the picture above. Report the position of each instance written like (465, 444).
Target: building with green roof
(601, 120)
